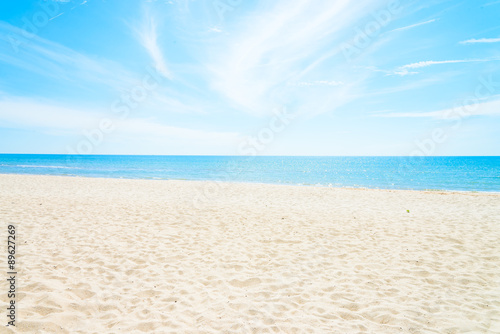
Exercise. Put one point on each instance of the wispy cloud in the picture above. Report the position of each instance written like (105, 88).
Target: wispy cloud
(49, 116)
(481, 40)
(427, 63)
(489, 108)
(413, 25)
(318, 83)
(409, 85)
(80, 72)
(222, 76)
(214, 29)
(157, 130)
(148, 37)
(404, 70)
(256, 62)
(53, 60)
(55, 16)
(492, 3)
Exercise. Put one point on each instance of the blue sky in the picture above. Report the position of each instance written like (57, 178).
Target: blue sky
(282, 77)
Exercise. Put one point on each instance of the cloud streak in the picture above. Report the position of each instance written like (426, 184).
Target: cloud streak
(318, 83)
(481, 40)
(427, 63)
(490, 108)
(148, 37)
(53, 60)
(49, 116)
(254, 65)
(492, 3)
(405, 69)
(413, 25)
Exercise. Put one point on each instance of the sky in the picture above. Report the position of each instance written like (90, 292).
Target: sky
(250, 77)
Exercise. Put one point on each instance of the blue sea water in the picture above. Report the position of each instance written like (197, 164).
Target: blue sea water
(418, 173)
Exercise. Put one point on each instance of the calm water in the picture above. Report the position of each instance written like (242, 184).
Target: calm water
(444, 173)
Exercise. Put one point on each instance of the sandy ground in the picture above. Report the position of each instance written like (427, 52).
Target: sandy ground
(126, 256)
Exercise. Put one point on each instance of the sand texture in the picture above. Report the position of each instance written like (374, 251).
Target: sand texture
(133, 256)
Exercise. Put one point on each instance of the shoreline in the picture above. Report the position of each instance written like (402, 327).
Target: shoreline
(264, 184)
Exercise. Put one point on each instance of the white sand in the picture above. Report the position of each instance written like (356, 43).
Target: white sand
(126, 256)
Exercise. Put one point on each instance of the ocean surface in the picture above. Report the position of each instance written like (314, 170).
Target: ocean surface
(418, 173)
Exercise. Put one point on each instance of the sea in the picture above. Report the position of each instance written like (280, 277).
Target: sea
(481, 174)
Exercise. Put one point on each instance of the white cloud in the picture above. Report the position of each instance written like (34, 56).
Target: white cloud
(283, 42)
(490, 108)
(82, 72)
(48, 116)
(413, 25)
(492, 3)
(214, 29)
(481, 40)
(29, 52)
(408, 85)
(404, 70)
(31, 113)
(55, 16)
(421, 64)
(318, 83)
(154, 129)
(168, 100)
(148, 37)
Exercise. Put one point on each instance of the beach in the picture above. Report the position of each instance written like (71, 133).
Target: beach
(96, 255)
